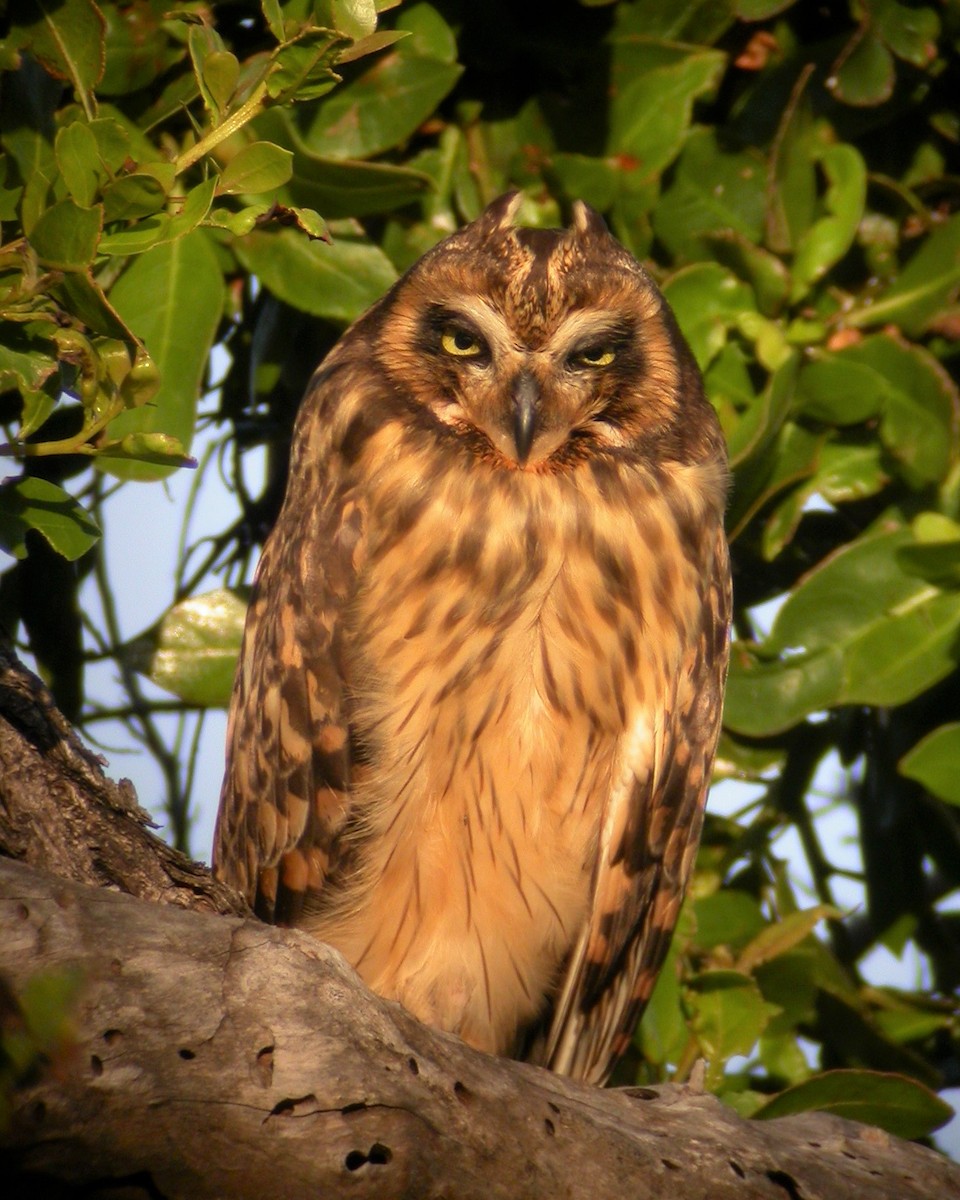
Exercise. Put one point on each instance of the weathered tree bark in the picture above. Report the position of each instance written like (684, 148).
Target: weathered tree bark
(213, 1056)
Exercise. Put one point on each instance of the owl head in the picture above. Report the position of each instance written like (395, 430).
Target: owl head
(536, 348)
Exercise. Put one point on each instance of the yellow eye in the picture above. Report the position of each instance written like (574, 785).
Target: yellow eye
(596, 356)
(460, 343)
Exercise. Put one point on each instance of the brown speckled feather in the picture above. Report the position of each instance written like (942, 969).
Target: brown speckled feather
(480, 688)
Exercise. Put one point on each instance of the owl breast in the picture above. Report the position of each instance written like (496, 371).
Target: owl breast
(488, 744)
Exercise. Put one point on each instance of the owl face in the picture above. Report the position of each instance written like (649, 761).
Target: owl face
(537, 348)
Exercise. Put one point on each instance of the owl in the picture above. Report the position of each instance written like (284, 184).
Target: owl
(480, 688)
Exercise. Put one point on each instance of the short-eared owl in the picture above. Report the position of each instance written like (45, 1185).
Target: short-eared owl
(480, 688)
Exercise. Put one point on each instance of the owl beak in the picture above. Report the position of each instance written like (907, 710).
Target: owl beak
(526, 395)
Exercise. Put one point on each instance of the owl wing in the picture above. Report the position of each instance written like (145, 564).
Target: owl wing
(285, 796)
(648, 843)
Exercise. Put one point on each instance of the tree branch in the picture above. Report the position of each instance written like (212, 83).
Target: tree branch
(214, 1056)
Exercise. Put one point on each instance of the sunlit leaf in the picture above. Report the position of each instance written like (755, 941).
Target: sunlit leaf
(893, 1102)
(259, 167)
(192, 652)
(382, 108)
(729, 1014)
(652, 113)
(707, 300)
(713, 190)
(172, 298)
(336, 281)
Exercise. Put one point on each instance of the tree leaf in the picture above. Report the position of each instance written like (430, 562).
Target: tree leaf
(729, 1014)
(172, 299)
(158, 230)
(707, 301)
(651, 114)
(776, 939)
(337, 281)
(713, 190)
(33, 503)
(923, 287)
(339, 188)
(382, 108)
(935, 762)
(78, 157)
(893, 1102)
(764, 697)
(192, 651)
(66, 235)
(830, 237)
(726, 918)
(258, 167)
(865, 74)
(66, 36)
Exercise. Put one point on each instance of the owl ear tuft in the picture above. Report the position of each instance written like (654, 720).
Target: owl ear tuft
(499, 214)
(587, 222)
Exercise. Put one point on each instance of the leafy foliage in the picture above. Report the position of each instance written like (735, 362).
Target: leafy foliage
(254, 179)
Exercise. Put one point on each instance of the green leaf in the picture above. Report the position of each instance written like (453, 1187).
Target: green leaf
(792, 195)
(849, 471)
(774, 940)
(912, 393)
(192, 651)
(66, 235)
(911, 33)
(729, 1014)
(726, 918)
(792, 458)
(650, 116)
(37, 407)
(893, 1102)
(137, 50)
(66, 36)
(751, 431)
(172, 299)
(133, 196)
(830, 237)
(923, 288)
(713, 190)
(339, 189)
(763, 271)
(162, 228)
(26, 357)
(934, 762)
(836, 388)
(83, 297)
(32, 503)
(258, 167)
(113, 142)
(78, 157)
(430, 35)
(303, 70)
(694, 20)
(707, 300)
(382, 108)
(764, 697)
(663, 1031)
(355, 18)
(860, 628)
(337, 282)
(865, 74)
(221, 73)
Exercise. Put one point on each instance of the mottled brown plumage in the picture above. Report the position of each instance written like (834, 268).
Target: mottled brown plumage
(480, 687)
